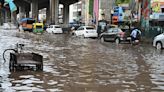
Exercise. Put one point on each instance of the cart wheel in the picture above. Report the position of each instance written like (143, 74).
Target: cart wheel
(11, 65)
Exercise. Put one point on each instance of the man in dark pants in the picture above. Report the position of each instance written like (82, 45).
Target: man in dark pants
(135, 35)
(102, 27)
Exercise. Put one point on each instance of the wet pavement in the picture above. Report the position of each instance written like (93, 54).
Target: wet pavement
(73, 64)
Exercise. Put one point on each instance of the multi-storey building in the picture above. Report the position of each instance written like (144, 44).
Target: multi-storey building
(75, 12)
(81, 10)
(158, 6)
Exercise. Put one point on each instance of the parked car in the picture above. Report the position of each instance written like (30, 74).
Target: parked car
(158, 41)
(54, 29)
(86, 31)
(116, 34)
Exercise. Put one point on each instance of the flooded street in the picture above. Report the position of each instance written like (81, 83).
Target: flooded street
(73, 64)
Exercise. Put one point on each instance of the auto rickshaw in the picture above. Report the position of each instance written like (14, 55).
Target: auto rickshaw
(38, 27)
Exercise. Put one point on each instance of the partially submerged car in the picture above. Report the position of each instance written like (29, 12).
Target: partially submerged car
(54, 29)
(116, 34)
(86, 31)
(158, 41)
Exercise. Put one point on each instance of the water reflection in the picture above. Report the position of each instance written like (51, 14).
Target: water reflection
(84, 65)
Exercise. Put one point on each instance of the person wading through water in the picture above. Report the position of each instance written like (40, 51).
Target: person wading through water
(135, 36)
(102, 25)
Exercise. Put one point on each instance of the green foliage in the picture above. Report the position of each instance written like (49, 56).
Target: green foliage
(91, 7)
(122, 1)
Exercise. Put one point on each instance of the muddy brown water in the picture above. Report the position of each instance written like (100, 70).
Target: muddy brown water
(73, 64)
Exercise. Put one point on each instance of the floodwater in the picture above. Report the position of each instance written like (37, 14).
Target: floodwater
(73, 64)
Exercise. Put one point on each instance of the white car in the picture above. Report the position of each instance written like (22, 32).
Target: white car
(86, 31)
(54, 29)
(158, 41)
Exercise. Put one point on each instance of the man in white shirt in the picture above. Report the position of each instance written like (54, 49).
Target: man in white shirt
(135, 35)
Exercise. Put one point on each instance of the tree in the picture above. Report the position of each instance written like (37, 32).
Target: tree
(122, 1)
(91, 7)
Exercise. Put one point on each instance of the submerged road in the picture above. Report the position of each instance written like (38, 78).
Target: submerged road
(73, 64)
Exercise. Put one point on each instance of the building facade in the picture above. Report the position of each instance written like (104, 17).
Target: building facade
(157, 6)
(75, 12)
(81, 11)
(105, 7)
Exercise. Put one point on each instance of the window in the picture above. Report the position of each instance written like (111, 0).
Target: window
(110, 30)
(162, 10)
(38, 27)
(57, 26)
(115, 11)
(115, 30)
(119, 30)
(81, 28)
(89, 28)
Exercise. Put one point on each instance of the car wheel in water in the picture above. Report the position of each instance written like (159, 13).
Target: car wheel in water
(159, 45)
(117, 40)
(102, 39)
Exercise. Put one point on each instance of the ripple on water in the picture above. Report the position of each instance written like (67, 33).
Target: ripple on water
(72, 63)
(55, 90)
(52, 82)
(26, 88)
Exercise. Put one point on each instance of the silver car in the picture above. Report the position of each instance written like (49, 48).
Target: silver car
(158, 41)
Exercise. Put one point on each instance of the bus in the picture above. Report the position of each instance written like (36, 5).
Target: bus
(117, 15)
(27, 24)
(120, 14)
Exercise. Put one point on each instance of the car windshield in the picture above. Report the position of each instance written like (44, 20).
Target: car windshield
(125, 30)
(119, 30)
(80, 28)
(38, 27)
(110, 30)
(89, 28)
(115, 30)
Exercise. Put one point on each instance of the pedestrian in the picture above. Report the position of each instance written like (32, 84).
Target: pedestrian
(98, 31)
(135, 36)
